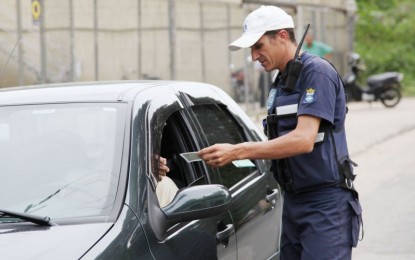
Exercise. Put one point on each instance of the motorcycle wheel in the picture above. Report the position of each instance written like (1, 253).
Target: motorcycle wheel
(391, 97)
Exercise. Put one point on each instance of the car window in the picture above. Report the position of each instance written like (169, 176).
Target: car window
(60, 160)
(220, 127)
(178, 139)
(175, 140)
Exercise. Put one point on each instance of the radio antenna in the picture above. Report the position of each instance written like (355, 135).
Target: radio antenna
(10, 55)
(295, 66)
(301, 42)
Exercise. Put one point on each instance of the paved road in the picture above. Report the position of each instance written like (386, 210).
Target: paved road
(382, 142)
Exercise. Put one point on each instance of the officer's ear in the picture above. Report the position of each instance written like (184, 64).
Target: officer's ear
(283, 35)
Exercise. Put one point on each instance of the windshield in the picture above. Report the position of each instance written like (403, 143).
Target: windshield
(60, 160)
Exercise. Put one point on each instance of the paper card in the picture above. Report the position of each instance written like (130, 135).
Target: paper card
(191, 157)
(243, 163)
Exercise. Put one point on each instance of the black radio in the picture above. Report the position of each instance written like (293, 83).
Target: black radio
(295, 66)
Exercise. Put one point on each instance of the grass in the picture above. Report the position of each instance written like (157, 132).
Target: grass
(408, 86)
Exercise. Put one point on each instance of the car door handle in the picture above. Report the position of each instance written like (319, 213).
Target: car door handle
(227, 232)
(270, 197)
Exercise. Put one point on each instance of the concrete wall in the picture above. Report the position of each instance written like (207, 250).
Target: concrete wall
(127, 39)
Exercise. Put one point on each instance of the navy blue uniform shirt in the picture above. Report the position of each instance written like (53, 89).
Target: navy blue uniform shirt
(319, 93)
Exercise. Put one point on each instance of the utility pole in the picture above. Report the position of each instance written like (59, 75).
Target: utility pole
(139, 42)
(43, 73)
(172, 37)
(96, 40)
(72, 40)
(20, 46)
(202, 40)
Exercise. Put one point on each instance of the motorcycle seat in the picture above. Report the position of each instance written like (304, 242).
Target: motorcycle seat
(373, 80)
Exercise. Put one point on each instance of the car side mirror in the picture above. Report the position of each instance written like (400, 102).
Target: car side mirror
(189, 204)
(198, 202)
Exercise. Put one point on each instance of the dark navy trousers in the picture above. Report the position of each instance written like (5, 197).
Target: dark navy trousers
(321, 224)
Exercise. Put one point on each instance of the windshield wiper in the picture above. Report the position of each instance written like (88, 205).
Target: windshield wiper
(39, 220)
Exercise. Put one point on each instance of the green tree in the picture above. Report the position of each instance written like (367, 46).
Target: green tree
(385, 38)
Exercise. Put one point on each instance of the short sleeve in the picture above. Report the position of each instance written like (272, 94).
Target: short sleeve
(318, 91)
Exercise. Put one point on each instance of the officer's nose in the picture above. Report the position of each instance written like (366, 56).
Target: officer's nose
(254, 54)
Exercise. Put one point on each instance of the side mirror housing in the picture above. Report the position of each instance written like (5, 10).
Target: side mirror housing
(191, 203)
(198, 202)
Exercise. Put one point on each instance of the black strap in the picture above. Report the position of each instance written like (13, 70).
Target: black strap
(345, 180)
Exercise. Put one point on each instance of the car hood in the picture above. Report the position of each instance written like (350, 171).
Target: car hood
(56, 242)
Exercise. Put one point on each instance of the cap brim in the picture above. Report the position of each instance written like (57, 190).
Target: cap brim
(245, 41)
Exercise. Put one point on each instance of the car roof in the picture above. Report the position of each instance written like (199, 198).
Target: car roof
(110, 91)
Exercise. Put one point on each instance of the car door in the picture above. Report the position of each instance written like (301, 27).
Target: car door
(256, 201)
(170, 135)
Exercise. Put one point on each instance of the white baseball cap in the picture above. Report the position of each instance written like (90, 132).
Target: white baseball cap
(257, 23)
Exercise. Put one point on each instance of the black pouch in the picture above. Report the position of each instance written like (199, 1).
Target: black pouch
(346, 166)
(270, 124)
(265, 125)
(357, 221)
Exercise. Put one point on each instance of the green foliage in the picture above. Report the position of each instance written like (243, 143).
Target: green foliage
(385, 38)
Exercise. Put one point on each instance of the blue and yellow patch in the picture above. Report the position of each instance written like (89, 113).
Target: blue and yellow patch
(309, 96)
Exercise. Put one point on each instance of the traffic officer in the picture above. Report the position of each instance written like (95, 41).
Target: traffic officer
(307, 141)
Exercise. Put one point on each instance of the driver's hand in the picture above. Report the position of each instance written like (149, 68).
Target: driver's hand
(163, 168)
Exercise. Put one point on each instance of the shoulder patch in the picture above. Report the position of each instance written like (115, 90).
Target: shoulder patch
(309, 96)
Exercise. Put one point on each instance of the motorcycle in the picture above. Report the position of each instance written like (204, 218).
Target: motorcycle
(385, 87)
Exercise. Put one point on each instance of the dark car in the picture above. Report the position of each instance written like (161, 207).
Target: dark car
(79, 166)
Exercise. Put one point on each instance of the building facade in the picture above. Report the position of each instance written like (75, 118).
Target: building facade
(46, 41)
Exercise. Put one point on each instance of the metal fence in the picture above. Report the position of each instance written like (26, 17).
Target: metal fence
(83, 40)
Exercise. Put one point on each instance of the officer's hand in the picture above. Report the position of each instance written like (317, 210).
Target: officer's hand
(218, 155)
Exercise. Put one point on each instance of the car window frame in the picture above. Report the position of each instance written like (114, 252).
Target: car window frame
(187, 141)
(154, 125)
(259, 170)
(157, 113)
